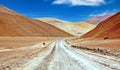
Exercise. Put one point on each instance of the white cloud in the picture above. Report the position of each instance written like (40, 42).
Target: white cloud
(30, 15)
(100, 14)
(80, 2)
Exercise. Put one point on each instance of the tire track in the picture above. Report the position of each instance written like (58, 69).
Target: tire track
(46, 61)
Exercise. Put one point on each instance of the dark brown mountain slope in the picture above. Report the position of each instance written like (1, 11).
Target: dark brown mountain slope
(107, 29)
(14, 24)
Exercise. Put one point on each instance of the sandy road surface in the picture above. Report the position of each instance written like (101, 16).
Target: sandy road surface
(63, 57)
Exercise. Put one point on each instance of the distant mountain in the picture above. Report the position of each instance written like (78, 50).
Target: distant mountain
(107, 29)
(77, 28)
(14, 24)
(55, 22)
(96, 20)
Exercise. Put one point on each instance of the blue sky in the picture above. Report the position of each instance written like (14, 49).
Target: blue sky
(69, 10)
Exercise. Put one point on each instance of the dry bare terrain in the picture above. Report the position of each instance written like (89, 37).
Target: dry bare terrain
(17, 42)
(15, 52)
(105, 47)
(29, 53)
(64, 57)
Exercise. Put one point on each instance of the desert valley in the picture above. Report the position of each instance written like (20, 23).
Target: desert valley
(55, 44)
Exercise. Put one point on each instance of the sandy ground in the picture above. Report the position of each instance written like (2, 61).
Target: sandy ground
(17, 42)
(15, 52)
(105, 47)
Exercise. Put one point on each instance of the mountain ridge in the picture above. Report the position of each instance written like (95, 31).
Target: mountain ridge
(96, 20)
(74, 28)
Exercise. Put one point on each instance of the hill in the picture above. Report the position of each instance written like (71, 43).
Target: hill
(14, 24)
(107, 29)
(74, 28)
(96, 20)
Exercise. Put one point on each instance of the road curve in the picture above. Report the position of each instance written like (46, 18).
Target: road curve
(63, 57)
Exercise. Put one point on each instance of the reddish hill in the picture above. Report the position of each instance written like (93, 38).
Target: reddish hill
(109, 28)
(96, 20)
(14, 24)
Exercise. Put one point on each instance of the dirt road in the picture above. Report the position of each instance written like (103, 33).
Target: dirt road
(63, 57)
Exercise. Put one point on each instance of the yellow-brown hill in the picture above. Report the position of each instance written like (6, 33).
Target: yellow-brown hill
(74, 28)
